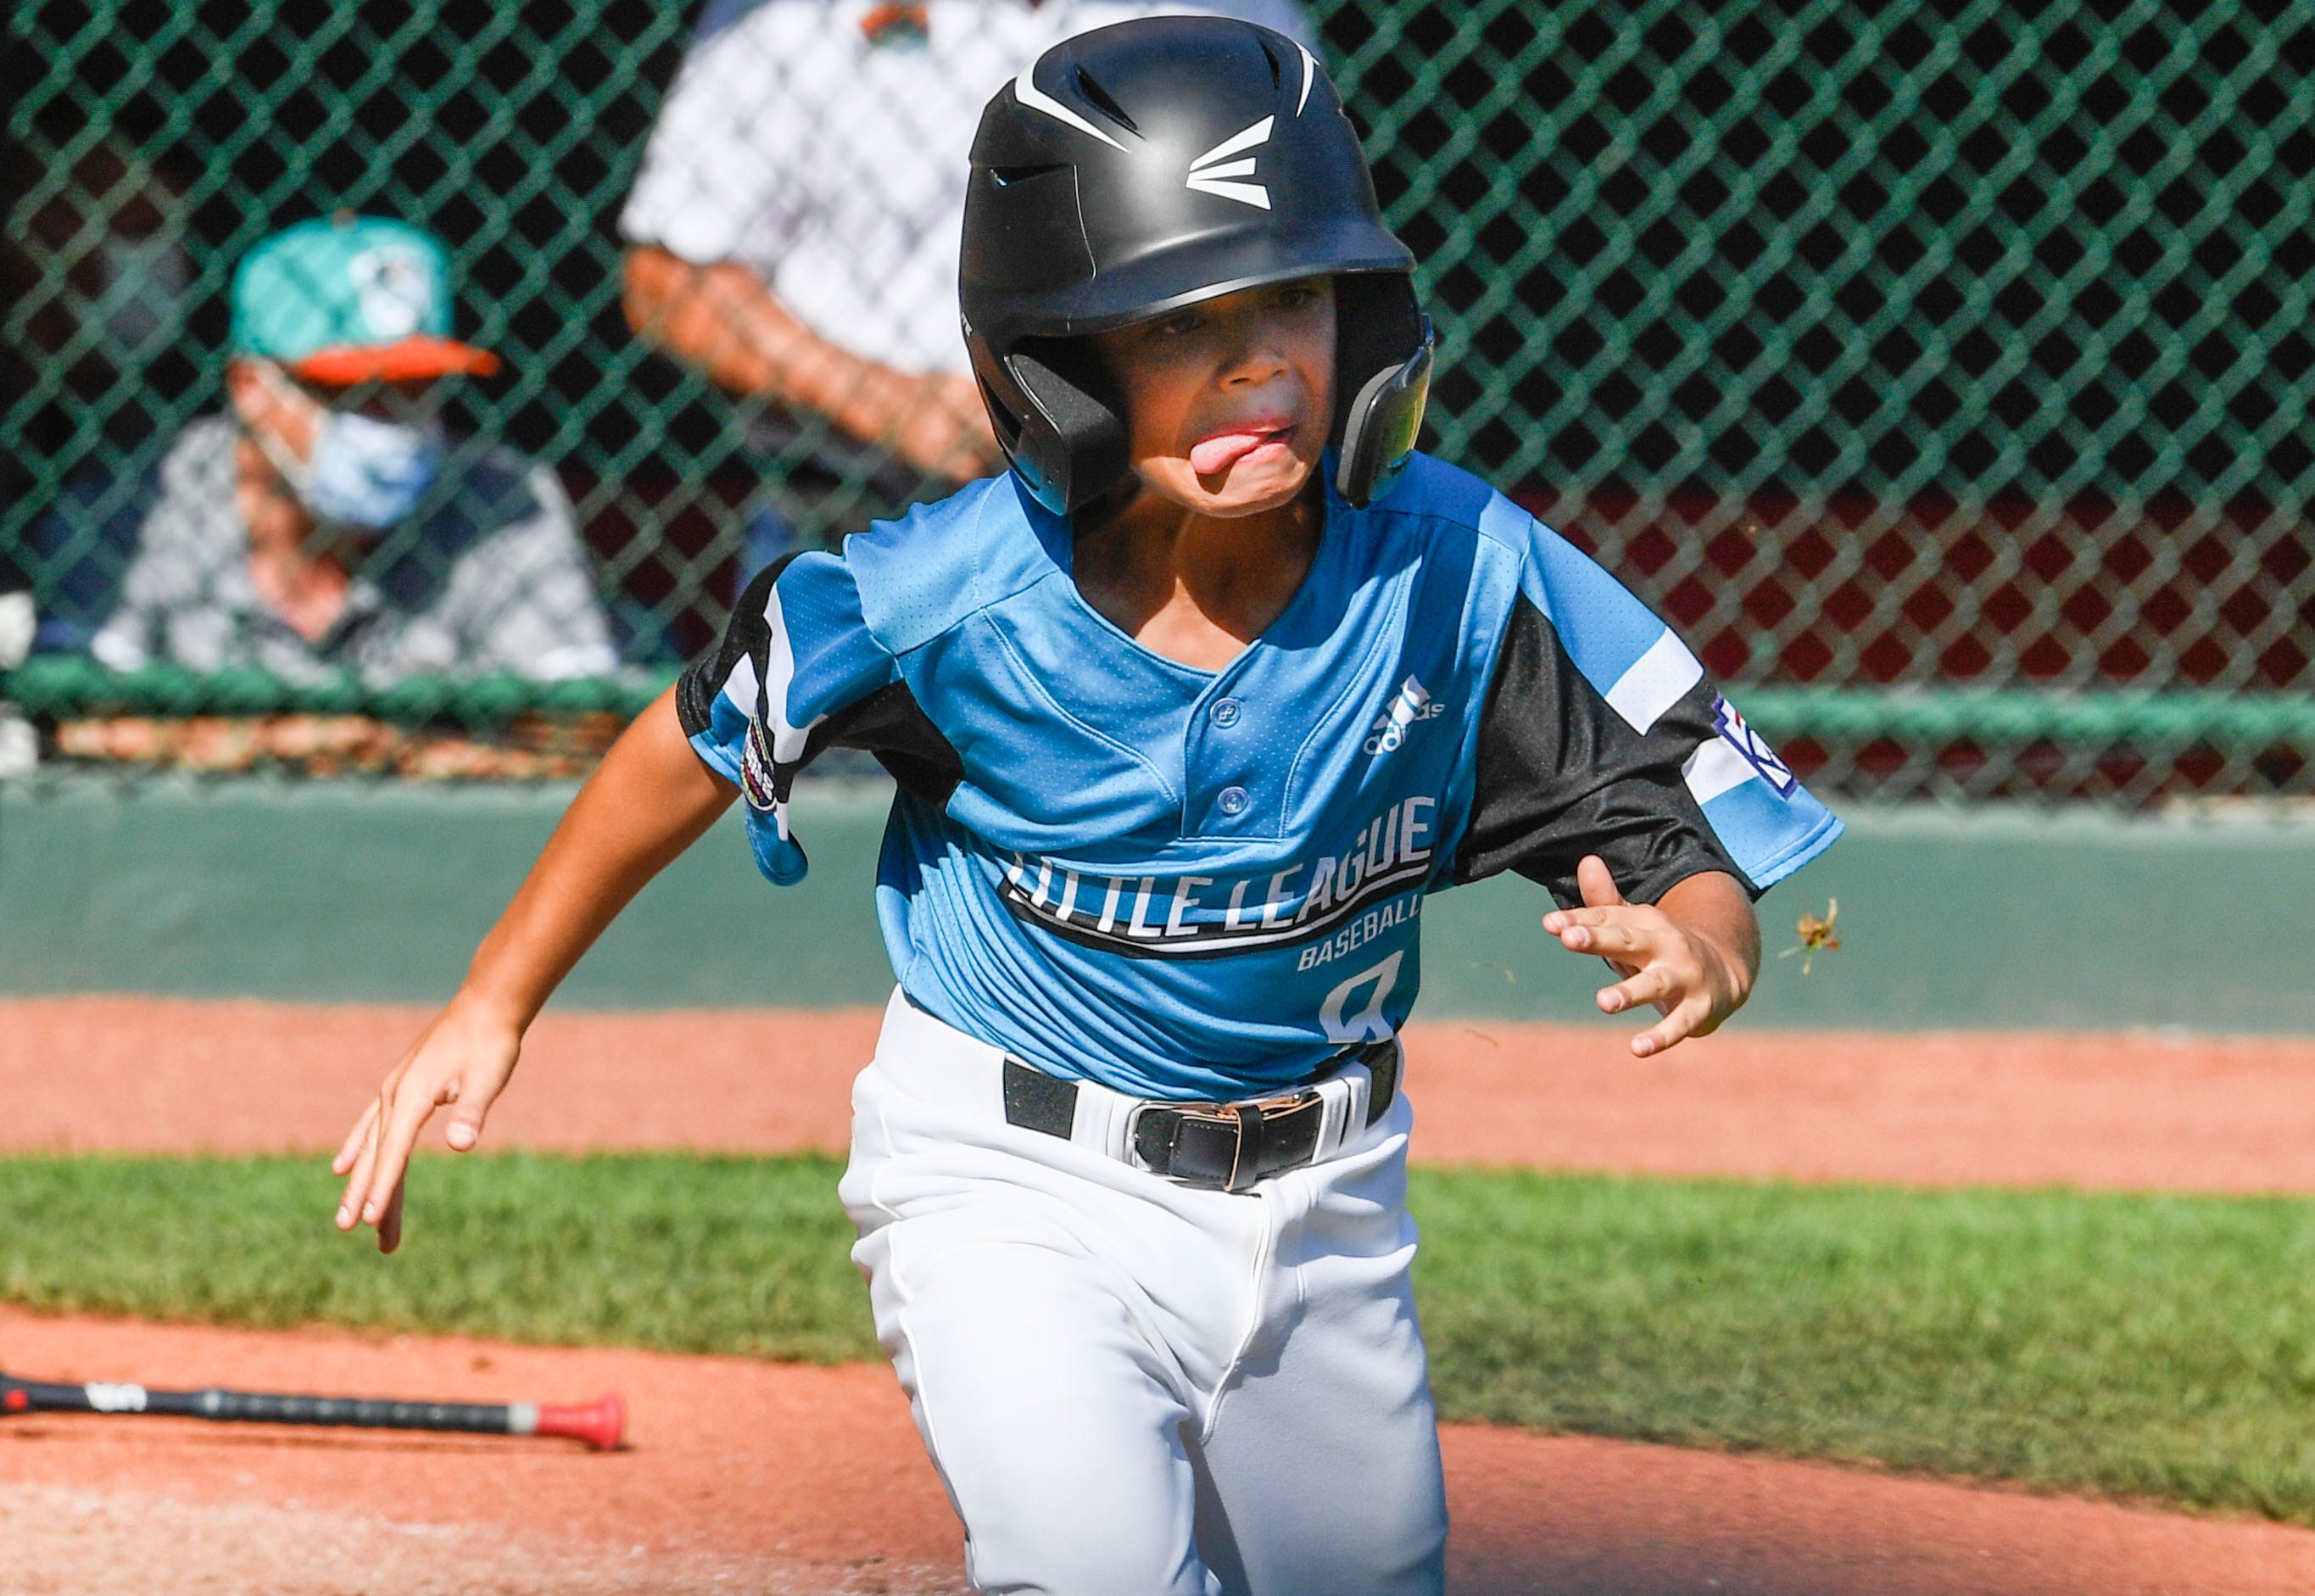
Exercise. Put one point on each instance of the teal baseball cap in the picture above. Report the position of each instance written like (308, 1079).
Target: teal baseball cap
(347, 299)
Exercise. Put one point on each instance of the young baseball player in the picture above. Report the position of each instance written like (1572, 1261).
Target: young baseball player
(1189, 712)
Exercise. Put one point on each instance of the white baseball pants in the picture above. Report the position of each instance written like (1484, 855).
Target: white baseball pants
(1133, 1386)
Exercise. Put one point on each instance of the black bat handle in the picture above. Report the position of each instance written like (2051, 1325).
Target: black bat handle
(266, 1408)
(599, 1423)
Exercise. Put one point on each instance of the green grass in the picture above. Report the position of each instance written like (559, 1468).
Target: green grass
(687, 1253)
(2143, 1345)
(2153, 1346)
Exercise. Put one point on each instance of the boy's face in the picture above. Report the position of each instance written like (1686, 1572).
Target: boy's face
(1228, 402)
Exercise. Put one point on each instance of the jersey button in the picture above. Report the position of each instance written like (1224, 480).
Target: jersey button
(1225, 712)
(1231, 801)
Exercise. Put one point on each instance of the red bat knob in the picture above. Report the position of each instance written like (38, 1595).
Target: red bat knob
(598, 1423)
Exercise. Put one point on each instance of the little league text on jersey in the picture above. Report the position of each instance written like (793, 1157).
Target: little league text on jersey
(1199, 915)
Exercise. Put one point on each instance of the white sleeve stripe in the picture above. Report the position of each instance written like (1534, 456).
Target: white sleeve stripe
(1654, 682)
(773, 742)
(739, 687)
(1714, 768)
(787, 740)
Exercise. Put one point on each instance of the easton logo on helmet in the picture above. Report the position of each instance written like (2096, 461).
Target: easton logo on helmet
(1210, 173)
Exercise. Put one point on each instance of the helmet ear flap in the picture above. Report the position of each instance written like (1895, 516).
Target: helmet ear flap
(1382, 380)
(1070, 444)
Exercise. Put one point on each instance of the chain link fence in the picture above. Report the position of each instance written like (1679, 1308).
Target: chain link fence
(1941, 369)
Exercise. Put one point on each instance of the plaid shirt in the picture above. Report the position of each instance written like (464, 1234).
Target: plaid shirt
(491, 577)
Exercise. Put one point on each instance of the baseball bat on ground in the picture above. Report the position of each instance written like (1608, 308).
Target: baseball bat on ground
(597, 1424)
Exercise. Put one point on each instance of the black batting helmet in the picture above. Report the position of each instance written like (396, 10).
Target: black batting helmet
(1151, 164)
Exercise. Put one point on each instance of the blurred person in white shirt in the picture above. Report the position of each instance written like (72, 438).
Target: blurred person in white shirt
(794, 232)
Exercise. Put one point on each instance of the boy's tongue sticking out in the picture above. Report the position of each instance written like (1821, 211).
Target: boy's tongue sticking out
(1225, 449)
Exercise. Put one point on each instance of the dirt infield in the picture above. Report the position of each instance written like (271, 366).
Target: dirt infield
(764, 1477)
(2135, 1112)
(755, 1476)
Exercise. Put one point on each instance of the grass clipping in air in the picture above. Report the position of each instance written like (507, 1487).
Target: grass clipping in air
(2144, 1345)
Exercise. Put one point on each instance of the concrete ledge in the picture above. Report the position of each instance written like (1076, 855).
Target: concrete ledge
(334, 891)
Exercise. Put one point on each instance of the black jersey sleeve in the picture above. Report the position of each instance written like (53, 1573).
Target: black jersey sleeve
(1561, 773)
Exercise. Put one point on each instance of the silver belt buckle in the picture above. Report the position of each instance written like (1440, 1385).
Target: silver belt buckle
(1241, 1117)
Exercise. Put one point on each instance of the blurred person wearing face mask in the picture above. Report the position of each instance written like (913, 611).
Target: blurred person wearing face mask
(324, 522)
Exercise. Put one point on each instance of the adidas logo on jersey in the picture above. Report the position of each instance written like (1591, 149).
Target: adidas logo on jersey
(1413, 704)
(1215, 172)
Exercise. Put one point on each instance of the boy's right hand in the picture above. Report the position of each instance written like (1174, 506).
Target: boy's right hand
(462, 1061)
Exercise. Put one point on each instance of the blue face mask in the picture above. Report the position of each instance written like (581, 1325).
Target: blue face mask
(368, 473)
(363, 472)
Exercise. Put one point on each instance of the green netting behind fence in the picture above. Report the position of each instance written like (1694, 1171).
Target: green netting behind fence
(1941, 369)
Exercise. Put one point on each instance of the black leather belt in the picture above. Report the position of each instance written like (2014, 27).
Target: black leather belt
(1224, 1147)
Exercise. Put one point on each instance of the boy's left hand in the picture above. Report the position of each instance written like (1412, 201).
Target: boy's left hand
(1694, 955)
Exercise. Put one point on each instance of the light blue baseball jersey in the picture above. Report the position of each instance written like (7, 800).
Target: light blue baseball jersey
(1190, 883)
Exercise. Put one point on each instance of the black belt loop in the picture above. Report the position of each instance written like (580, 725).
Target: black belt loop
(1246, 1163)
(1381, 1060)
(1036, 1101)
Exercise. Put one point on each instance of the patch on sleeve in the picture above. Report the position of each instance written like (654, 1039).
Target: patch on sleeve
(756, 773)
(1751, 747)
